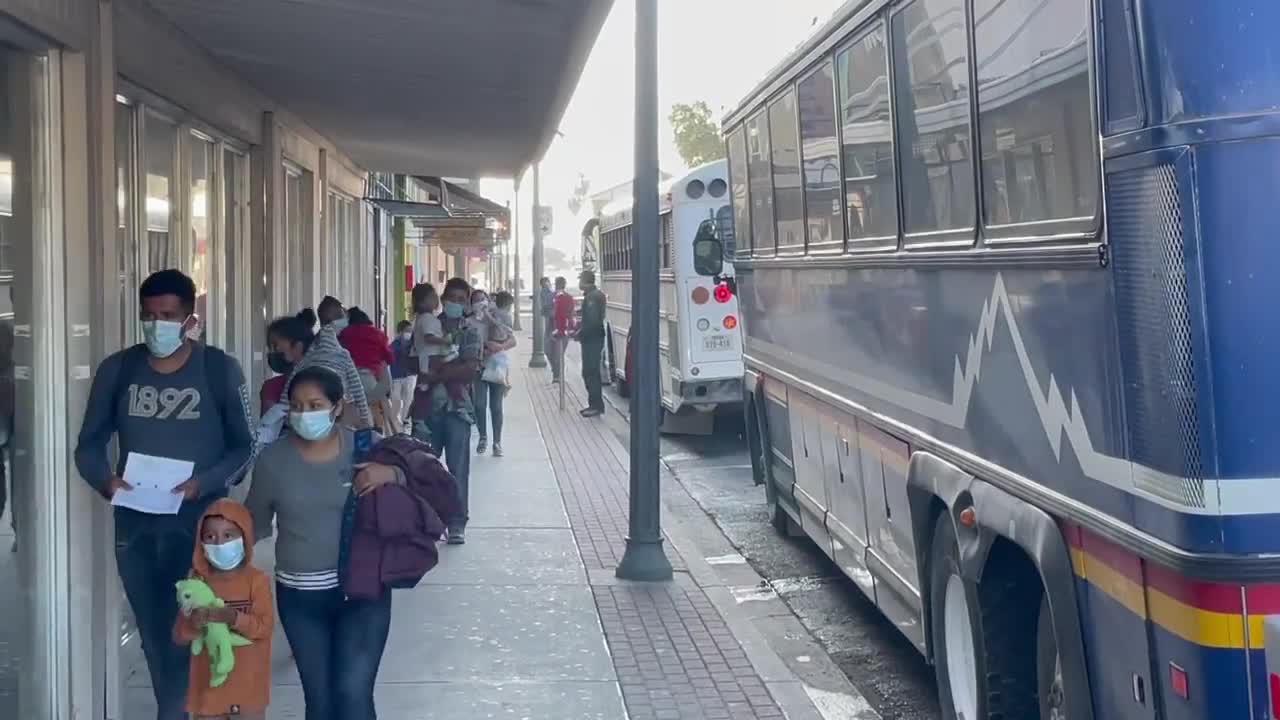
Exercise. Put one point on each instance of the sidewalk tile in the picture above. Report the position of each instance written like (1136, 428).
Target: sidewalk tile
(674, 654)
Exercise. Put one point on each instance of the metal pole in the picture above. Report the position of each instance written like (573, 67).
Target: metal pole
(539, 357)
(515, 258)
(644, 558)
(561, 344)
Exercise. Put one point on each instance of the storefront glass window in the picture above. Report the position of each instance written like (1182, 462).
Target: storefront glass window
(126, 223)
(31, 595)
(159, 147)
(201, 163)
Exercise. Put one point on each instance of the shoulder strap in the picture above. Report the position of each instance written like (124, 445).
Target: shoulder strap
(215, 376)
(215, 370)
(131, 358)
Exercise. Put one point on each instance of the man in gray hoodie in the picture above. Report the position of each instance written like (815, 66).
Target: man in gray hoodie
(170, 397)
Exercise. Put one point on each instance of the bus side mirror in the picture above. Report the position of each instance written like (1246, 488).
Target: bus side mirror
(708, 253)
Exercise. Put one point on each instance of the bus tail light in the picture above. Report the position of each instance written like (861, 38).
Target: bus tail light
(701, 295)
(723, 293)
(730, 322)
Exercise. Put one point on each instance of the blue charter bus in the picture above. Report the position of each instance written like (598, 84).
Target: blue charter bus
(1005, 269)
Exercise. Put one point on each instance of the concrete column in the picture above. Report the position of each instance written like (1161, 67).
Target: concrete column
(539, 357)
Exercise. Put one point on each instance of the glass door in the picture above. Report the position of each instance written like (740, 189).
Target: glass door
(33, 468)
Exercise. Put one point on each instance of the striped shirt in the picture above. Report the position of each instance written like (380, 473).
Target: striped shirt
(326, 352)
(322, 580)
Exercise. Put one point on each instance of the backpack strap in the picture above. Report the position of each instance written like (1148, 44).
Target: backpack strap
(215, 373)
(215, 376)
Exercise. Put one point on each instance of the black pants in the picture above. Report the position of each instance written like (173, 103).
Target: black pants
(592, 350)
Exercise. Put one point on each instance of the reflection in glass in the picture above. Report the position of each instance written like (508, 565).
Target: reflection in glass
(1038, 158)
(738, 179)
(761, 183)
(159, 150)
(787, 192)
(820, 150)
(27, 511)
(293, 275)
(201, 165)
(931, 58)
(867, 137)
(233, 232)
(724, 224)
(126, 223)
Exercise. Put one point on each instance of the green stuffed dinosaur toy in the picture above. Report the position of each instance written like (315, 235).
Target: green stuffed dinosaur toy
(217, 640)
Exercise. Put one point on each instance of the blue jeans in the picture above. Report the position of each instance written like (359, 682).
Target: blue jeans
(151, 560)
(337, 645)
(450, 435)
(489, 396)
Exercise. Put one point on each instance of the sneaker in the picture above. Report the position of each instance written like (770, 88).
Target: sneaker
(497, 449)
(457, 536)
(592, 412)
(481, 446)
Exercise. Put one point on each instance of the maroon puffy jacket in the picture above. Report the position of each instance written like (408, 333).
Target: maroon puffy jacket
(396, 528)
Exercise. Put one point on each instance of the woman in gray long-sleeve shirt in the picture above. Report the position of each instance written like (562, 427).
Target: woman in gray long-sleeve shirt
(302, 482)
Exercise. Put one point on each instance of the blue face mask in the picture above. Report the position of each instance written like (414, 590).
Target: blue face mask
(453, 310)
(226, 556)
(163, 337)
(311, 425)
(340, 324)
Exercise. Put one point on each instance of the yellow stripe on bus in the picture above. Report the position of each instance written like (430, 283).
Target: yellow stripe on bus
(1201, 627)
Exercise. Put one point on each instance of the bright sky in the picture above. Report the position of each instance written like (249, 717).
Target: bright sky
(710, 50)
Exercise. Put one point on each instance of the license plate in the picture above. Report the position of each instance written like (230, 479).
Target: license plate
(713, 343)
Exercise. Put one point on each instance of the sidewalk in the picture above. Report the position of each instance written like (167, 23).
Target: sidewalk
(527, 620)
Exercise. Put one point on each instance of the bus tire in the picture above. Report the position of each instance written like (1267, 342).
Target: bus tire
(983, 637)
(1049, 684)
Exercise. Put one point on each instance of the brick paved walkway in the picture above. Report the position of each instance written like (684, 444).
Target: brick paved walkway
(675, 656)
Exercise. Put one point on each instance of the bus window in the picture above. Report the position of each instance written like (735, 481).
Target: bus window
(820, 150)
(1038, 157)
(738, 178)
(761, 184)
(871, 205)
(788, 196)
(931, 61)
(708, 253)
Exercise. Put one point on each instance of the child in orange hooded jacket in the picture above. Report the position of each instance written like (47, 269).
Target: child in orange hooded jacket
(224, 560)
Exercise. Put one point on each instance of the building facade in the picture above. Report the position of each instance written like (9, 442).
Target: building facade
(125, 148)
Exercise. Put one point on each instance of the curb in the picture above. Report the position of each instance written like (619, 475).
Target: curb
(808, 687)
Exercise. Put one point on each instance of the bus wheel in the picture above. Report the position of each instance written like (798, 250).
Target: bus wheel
(1049, 689)
(983, 637)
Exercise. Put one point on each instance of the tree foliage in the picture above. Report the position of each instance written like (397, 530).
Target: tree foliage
(697, 135)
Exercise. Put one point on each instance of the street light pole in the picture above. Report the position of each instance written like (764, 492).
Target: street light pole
(515, 256)
(539, 357)
(644, 558)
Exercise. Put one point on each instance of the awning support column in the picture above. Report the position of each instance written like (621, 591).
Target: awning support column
(644, 558)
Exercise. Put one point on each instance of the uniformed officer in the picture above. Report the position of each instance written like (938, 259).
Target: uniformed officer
(591, 333)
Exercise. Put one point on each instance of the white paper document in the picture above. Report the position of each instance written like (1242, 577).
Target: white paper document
(153, 480)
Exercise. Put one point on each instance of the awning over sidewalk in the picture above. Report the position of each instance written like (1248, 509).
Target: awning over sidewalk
(460, 220)
(464, 89)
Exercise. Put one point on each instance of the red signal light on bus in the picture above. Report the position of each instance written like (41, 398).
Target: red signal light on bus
(723, 294)
(701, 295)
(730, 322)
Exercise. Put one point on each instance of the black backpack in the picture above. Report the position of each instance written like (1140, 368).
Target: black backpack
(215, 375)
